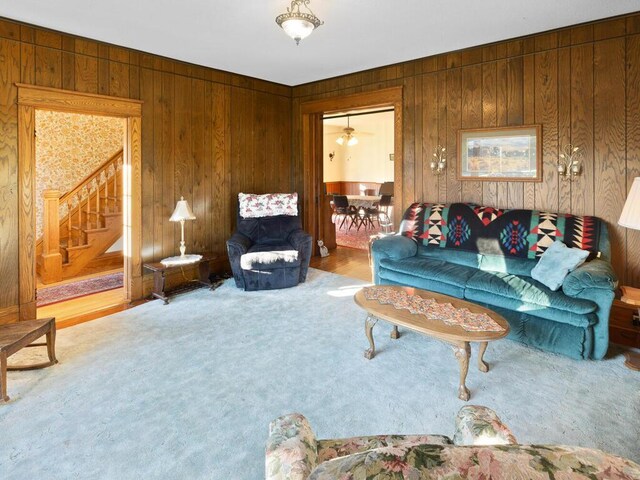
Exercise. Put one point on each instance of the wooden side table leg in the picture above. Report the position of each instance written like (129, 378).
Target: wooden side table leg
(394, 333)
(158, 286)
(204, 271)
(462, 351)
(369, 323)
(3, 377)
(51, 344)
(482, 365)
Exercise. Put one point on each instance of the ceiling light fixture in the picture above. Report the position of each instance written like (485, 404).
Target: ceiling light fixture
(298, 25)
(347, 136)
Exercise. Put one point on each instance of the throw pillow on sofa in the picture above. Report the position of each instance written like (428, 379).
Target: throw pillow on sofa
(556, 263)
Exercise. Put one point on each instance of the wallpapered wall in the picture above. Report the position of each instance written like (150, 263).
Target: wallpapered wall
(69, 147)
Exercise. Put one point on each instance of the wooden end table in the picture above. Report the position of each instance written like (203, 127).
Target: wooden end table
(456, 336)
(16, 336)
(160, 270)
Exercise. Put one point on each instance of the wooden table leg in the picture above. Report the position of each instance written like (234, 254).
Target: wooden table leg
(369, 323)
(51, 344)
(3, 377)
(462, 351)
(158, 287)
(482, 365)
(204, 271)
(394, 333)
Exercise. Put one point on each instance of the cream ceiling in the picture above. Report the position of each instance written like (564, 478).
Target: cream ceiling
(241, 36)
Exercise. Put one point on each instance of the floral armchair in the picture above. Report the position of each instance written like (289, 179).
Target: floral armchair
(482, 447)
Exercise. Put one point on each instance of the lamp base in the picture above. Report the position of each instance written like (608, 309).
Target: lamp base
(180, 260)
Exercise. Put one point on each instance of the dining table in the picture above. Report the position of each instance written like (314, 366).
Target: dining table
(365, 201)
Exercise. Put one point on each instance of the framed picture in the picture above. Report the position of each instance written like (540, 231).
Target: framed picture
(511, 154)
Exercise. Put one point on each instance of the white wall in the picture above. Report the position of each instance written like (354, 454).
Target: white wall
(368, 161)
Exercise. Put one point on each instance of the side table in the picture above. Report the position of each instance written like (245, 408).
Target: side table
(159, 276)
(631, 301)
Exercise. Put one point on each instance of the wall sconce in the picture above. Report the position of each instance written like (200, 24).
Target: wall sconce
(331, 155)
(570, 162)
(439, 162)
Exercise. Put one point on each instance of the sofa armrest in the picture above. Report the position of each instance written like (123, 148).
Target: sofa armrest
(299, 239)
(594, 274)
(303, 242)
(394, 246)
(237, 246)
(476, 425)
(292, 450)
(391, 246)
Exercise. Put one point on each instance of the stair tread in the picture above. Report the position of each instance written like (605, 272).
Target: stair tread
(76, 247)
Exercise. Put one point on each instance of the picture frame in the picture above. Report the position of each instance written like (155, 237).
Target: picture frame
(500, 154)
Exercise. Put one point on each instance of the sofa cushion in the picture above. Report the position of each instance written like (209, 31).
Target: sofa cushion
(269, 257)
(341, 447)
(525, 294)
(496, 462)
(427, 273)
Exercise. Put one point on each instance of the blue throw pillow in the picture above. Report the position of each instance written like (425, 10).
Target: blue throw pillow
(556, 263)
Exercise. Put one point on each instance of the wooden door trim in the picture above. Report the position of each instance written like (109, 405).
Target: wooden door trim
(311, 118)
(32, 98)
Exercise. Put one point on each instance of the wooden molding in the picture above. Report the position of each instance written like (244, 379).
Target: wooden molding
(77, 102)
(314, 200)
(31, 98)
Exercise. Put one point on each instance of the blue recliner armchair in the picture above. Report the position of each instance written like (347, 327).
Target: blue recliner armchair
(269, 249)
(485, 255)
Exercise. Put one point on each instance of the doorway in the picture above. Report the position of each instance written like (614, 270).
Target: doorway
(79, 185)
(359, 173)
(32, 99)
(317, 203)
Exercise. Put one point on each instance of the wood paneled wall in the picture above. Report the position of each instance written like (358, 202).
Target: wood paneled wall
(582, 84)
(206, 135)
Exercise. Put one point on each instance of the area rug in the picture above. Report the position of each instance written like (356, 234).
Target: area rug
(187, 390)
(60, 293)
(355, 239)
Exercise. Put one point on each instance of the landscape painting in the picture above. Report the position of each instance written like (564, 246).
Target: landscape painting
(500, 154)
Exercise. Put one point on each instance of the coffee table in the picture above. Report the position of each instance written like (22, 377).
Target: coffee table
(482, 325)
(16, 336)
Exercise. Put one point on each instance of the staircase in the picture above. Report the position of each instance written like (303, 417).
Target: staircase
(80, 226)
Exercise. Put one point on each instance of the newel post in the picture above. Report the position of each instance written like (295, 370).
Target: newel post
(51, 259)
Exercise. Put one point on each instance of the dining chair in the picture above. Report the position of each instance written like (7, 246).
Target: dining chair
(345, 211)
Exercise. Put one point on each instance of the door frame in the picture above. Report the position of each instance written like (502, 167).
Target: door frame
(32, 98)
(312, 113)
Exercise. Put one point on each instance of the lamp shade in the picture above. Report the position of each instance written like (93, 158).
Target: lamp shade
(182, 211)
(630, 217)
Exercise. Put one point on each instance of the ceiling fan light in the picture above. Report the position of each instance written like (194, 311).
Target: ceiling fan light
(352, 141)
(340, 140)
(298, 25)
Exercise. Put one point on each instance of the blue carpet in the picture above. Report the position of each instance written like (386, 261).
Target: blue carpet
(187, 390)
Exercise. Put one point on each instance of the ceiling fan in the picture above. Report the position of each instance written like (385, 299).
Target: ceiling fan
(347, 136)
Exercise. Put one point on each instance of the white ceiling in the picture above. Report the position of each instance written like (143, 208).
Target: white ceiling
(242, 36)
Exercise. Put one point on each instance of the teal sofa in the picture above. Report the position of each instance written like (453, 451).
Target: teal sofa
(485, 255)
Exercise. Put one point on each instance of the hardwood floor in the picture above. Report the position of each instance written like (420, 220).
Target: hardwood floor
(82, 309)
(350, 262)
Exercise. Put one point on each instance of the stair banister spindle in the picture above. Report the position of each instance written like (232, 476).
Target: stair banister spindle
(97, 204)
(115, 185)
(69, 212)
(88, 206)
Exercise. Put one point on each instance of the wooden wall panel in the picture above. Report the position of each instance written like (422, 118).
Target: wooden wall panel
(580, 83)
(10, 73)
(187, 137)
